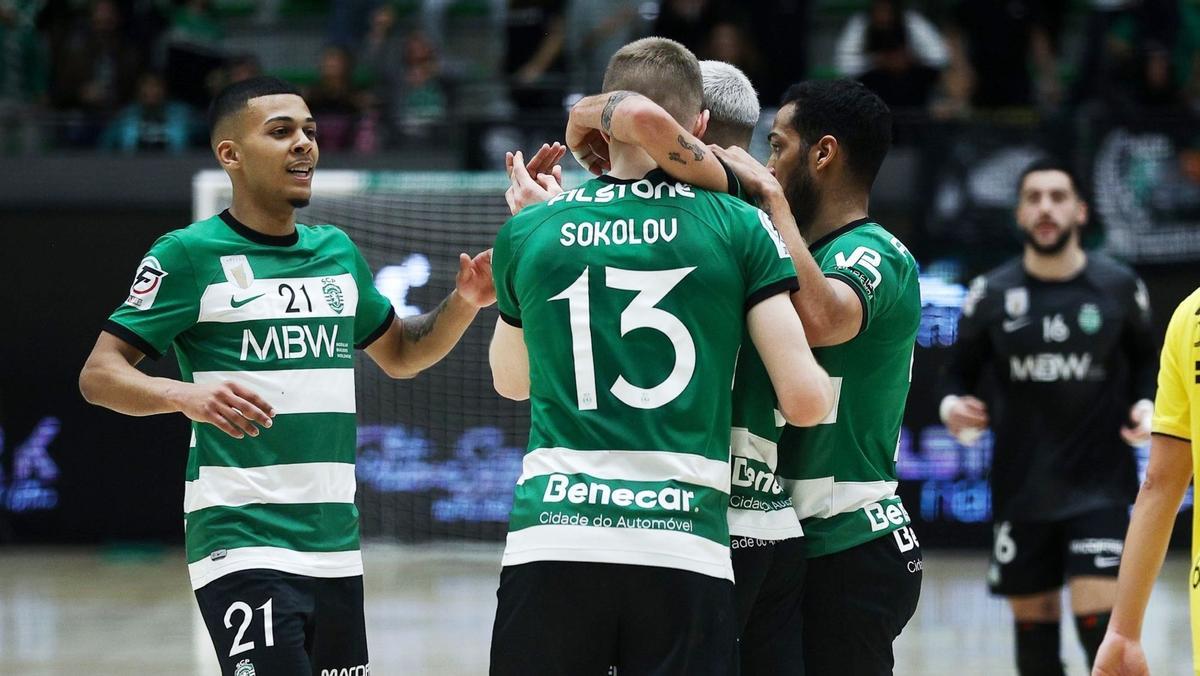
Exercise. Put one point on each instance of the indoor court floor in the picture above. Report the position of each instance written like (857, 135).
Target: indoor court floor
(92, 612)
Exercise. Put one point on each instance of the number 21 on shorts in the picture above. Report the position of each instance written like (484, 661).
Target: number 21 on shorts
(247, 615)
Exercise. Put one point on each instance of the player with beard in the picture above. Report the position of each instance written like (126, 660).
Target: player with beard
(653, 593)
(859, 300)
(264, 314)
(1065, 336)
(766, 546)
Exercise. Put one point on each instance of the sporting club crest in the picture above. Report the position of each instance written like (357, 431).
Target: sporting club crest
(333, 294)
(1090, 320)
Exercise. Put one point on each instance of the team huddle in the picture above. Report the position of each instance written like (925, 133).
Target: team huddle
(717, 356)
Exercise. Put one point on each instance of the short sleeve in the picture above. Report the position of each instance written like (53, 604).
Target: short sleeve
(875, 264)
(1172, 408)
(502, 277)
(375, 312)
(163, 300)
(765, 259)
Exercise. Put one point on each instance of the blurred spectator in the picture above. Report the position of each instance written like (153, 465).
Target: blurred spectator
(407, 75)
(23, 73)
(687, 21)
(728, 41)
(242, 67)
(193, 51)
(146, 21)
(781, 34)
(1153, 52)
(894, 51)
(1094, 68)
(236, 68)
(152, 123)
(535, 31)
(596, 31)
(995, 48)
(336, 103)
(349, 20)
(94, 72)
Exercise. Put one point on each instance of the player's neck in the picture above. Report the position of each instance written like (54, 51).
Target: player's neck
(835, 211)
(629, 162)
(275, 222)
(1055, 267)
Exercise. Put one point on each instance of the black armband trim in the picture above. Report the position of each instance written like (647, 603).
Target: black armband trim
(129, 336)
(511, 320)
(379, 331)
(734, 186)
(1172, 436)
(862, 298)
(788, 284)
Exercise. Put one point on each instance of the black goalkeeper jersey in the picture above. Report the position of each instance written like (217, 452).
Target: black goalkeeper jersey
(1067, 360)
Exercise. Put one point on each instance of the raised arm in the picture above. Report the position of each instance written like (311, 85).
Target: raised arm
(110, 378)
(413, 344)
(830, 309)
(631, 118)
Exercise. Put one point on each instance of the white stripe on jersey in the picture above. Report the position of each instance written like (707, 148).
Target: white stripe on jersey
(300, 483)
(747, 444)
(628, 466)
(665, 549)
(272, 298)
(824, 497)
(779, 524)
(313, 564)
(294, 390)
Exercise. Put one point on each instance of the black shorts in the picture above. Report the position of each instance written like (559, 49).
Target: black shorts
(562, 617)
(857, 601)
(271, 623)
(768, 586)
(1029, 557)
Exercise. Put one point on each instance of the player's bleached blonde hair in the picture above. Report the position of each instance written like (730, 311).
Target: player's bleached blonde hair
(663, 71)
(732, 104)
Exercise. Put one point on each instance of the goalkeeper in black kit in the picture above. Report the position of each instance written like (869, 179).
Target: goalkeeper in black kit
(1063, 338)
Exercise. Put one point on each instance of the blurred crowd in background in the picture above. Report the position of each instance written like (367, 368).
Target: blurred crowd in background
(135, 76)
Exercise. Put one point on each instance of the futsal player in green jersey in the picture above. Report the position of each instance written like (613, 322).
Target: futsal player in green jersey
(622, 304)
(767, 550)
(264, 314)
(860, 303)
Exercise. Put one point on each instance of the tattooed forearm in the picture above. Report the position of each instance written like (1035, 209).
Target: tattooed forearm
(675, 156)
(416, 328)
(607, 113)
(696, 148)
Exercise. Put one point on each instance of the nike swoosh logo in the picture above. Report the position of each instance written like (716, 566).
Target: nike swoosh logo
(235, 303)
(1106, 561)
(1010, 325)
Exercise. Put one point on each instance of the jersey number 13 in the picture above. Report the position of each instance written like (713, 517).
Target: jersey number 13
(652, 286)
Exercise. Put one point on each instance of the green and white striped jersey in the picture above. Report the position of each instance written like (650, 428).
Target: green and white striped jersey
(842, 472)
(280, 315)
(758, 506)
(632, 296)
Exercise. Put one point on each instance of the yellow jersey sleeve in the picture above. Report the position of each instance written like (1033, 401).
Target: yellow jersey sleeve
(1175, 412)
